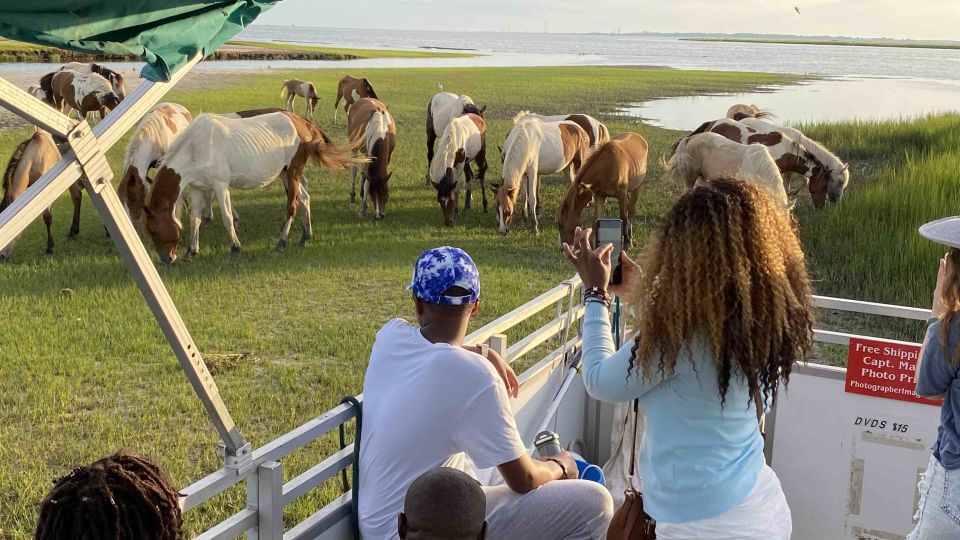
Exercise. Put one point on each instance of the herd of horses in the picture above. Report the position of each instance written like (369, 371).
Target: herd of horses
(199, 159)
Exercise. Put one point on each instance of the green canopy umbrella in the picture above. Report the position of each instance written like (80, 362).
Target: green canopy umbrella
(165, 33)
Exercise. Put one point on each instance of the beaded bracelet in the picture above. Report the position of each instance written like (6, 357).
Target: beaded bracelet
(596, 294)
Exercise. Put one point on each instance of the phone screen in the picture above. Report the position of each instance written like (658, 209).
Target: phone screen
(610, 231)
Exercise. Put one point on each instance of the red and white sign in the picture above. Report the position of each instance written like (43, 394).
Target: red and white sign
(884, 369)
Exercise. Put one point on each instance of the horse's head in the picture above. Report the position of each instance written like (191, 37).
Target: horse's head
(109, 100)
(447, 195)
(133, 193)
(160, 222)
(368, 89)
(839, 178)
(471, 107)
(116, 81)
(817, 184)
(506, 201)
(568, 215)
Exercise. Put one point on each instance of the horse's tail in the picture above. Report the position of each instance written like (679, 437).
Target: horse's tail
(335, 157)
(681, 164)
(11, 170)
(283, 89)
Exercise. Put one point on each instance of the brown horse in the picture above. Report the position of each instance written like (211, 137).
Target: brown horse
(372, 132)
(292, 88)
(216, 153)
(82, 92)
(351, 90)
(617, 169)
(31, 160)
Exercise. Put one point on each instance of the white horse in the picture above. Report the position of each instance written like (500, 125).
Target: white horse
(599, 135)
(441, 110)
(532, 148)
(154, 136)
(839, 175)
(712, 156)
(216, 154)
(463, 141)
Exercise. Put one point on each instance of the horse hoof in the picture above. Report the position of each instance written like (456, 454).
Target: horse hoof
(234, 250)
(3, 258)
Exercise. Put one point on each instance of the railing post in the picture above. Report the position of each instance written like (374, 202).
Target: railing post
(498, 342)
(270, 494)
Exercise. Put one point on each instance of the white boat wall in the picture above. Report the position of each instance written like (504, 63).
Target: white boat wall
(849, 463)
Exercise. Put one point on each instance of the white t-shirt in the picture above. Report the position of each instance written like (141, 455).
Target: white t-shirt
(422, 404)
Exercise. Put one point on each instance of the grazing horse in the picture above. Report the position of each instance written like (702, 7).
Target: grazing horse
(372, 131)
(532, 148)
(711, 156)
(617, 169)
(292, 88)
(216, 154)
(351, 90)
(116, 79)
(464, 140)
(441, 110)
(741, 111)
(39, 93)
(31, 160)
(82, 92)
(595, 129)
(838, 172)
(791, 156)
(153, 138)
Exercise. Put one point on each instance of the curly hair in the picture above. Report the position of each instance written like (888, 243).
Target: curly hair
(120, 497)
(950, 297)
(725, 265)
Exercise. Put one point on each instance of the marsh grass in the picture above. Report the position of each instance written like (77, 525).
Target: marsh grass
(287, 334)
(351, 53)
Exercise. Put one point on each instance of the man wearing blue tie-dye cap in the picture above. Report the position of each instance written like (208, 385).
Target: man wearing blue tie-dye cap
(431, 401)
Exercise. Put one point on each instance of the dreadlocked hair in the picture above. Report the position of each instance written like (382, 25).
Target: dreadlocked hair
(120, 497)
(725, 265)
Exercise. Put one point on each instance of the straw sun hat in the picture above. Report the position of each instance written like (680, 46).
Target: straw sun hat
(944, 231)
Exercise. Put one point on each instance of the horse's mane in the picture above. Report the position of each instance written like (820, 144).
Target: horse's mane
(681, 162)
(11, 169)
(450, 142)
(370, 89)
(515, 161)
(586, 173)
(524, 116)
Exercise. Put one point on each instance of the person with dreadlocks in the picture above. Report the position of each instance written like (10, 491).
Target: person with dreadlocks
(724, 309)
(120, 497)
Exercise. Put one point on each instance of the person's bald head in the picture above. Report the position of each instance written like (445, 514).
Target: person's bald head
(444, 504)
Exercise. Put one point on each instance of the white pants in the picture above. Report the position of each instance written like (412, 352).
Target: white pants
(763, 515)
(562, 509)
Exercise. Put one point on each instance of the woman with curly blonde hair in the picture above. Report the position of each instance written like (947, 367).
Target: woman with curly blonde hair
(724, 310)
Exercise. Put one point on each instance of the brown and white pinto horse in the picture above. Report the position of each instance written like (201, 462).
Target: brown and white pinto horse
(31, 160)
(532, 148)
(82, 92)
(617, 169)
(372, 132)
(116, 79)
(154, 136)
(595, 129)
(351, 90)
(790, 156)
(464, 140)
(441, 110)
(217, 153)
(292, 88)
(710, 155)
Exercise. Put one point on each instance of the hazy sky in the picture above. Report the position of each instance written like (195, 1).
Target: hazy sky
(917, 19)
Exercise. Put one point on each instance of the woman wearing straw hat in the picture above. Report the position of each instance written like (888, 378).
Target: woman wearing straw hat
(938, 375)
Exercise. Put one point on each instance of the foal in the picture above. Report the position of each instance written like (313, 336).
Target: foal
(292, 88)
(217, 153)
(617, 169)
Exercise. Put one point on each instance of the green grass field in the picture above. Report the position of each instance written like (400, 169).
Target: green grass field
(288, 335)
(905, 44)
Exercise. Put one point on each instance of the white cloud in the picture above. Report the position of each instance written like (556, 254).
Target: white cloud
(917, 19)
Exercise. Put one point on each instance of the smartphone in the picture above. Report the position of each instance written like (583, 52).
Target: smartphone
(610, 231)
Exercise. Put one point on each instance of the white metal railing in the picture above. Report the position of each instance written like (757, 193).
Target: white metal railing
(866, 308)
(267, 494)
